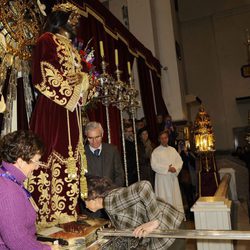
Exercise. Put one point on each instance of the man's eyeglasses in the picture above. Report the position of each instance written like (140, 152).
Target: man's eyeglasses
(95, 138)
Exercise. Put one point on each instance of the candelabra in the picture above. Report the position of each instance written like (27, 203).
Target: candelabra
(105, 93)
(132, 93)
(121, 95)
(121, 102)
(106, 85)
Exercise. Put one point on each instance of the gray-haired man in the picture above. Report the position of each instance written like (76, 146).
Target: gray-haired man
(103, 159)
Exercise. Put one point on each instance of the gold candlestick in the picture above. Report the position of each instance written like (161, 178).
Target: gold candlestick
(129, 68)
(101, 49)
(116, 58)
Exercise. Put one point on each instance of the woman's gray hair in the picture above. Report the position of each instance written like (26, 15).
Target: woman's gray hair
(93, 125)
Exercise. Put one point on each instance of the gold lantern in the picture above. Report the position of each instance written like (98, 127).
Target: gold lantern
(203, 132)
(205, 148)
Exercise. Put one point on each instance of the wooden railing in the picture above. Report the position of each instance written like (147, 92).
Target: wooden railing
(223, 188)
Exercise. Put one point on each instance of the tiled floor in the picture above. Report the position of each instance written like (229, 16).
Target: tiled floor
(241, 223)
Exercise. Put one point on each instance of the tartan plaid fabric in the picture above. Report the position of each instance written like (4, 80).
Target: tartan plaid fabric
(132, 206)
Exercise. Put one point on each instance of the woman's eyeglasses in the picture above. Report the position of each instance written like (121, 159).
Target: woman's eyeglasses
(39, 163)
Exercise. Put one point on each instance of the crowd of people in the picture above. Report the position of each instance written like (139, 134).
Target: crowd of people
(170, 167)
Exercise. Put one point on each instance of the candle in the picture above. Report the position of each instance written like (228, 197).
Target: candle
(129, 68)
(101, 49)
(116, 57)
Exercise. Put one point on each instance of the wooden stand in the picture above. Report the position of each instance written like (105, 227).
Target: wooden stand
(208, 175)
(79, 234)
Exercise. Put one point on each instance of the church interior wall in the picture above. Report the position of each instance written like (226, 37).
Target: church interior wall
(214, 52)
(211, 39)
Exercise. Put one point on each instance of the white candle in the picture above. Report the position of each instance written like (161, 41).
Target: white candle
(129, 68)
(101, 49)
(116, 57)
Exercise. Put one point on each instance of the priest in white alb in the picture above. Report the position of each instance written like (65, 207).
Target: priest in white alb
(167, 163)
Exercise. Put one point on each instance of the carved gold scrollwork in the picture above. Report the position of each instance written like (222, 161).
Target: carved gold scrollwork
(20, 22)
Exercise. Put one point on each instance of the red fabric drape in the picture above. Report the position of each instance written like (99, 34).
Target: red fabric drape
(113, 26)
(147, 98)
(159, 102)
(89, 28)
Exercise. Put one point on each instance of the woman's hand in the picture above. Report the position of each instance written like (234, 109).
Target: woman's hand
(146, 228)
(55, 247)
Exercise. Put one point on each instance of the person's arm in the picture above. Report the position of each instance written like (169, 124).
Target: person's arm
(13, 230)
(177, 163)
(119, 172)
(157, 165)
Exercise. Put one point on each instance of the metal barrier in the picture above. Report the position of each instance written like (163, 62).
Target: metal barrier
(204, 206)
(183, 234)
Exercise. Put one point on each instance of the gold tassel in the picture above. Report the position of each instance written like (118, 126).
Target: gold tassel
(71, 165)
(83, 180)
(83, 187)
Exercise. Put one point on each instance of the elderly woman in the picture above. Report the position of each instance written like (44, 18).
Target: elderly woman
(134, 207)
(20, 152)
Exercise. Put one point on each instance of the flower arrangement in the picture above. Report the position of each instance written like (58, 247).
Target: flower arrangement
(87, 57)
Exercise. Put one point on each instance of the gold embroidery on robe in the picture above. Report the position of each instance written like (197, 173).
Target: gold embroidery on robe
(52, 206)
(57, 193)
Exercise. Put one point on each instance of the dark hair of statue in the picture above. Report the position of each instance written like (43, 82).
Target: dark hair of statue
(20, 144)
(98, 187)
(56, 21)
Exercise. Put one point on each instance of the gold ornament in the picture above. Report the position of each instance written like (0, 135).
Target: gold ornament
(2, 104)
(83, 180)
(66, 7)
(20, 24)
(71, 165)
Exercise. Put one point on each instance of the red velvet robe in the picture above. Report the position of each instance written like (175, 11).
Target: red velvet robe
(54, 61)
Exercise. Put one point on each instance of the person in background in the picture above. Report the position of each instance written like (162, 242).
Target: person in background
(169, 126)
(139, 124)
(145, 149)
(130, 154)
(143, 119)
(136, 208)
(187, 177)
(20, 152)
(160, 123)
(167, 163)
(103, 159)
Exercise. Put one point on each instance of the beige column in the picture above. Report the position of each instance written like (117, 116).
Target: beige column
(151, 22)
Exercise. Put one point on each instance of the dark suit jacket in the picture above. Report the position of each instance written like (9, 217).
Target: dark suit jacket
(111, 165)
